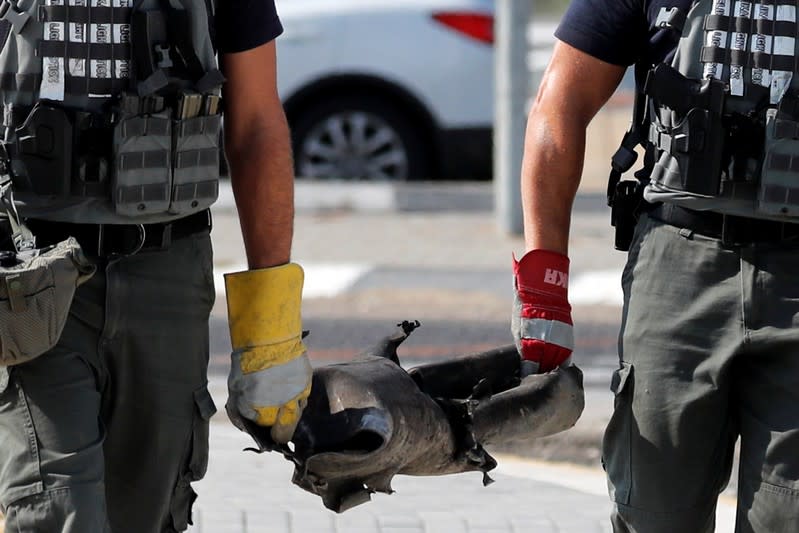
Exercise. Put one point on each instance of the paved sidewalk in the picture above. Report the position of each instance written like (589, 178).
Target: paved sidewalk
(245, 492)
(251, 493)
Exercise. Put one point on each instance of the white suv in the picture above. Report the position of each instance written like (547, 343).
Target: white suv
(388, 89)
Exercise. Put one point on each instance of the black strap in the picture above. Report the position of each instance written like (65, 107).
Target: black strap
(626, 156)
(87, 51)
(121, 239)
(749, 25)
(84, 14)
(712, 54)
(72, 84)
(87, 85)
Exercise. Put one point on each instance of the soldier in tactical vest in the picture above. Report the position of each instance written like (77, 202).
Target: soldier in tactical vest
(111, 155)
(709, 346)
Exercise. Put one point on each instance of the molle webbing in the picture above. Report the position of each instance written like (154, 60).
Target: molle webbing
(72, 85)
(743, 28)
(111, 108)
(85, 50)
(747, 43)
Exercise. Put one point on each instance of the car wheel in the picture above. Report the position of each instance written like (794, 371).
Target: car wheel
(357, 138)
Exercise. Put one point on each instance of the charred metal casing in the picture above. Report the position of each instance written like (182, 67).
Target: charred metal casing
(369, 419)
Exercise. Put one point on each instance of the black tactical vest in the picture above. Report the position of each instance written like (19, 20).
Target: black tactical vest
(724, 115)
(112, 111)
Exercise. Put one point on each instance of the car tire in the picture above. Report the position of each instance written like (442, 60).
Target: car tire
(358, 137)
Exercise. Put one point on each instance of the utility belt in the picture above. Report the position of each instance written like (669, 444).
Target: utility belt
(147, 155)
(731, 230)
(110, 240)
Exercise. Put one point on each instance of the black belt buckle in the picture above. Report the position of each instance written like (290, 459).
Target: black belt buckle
(157, 237)
(114, 240)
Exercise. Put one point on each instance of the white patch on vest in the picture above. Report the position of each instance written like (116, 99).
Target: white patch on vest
(52, 86)
(100, 33)
(762, 43)
(121, 35)
(783, 46)
(738, 42)
(100, 68)
(55, 69)
(77, 34)
(716, 39)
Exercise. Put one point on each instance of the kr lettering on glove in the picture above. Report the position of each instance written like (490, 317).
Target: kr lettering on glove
(542, 322)
(270, 375)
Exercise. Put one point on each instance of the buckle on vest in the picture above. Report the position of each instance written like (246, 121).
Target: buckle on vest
(670, 18)
(9, 13)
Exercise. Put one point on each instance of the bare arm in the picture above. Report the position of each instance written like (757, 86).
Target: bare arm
(573, 89)
(259, 152)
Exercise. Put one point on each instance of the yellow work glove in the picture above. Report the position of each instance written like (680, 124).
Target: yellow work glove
(270, 375)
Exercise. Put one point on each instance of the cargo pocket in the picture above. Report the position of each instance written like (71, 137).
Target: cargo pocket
(141, 179)
(616, 456)
(195, 180)
(35, 298)
(196, 460)
(770, 507)
(19, 444)
(30, 328)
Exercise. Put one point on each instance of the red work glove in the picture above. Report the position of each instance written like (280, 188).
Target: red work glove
(542, 322)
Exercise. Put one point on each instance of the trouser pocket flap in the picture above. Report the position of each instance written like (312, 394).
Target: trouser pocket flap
(620, 377)
(198, 460)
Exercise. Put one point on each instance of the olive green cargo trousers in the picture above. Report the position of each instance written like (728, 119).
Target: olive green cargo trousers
(106, 431)
(709, 352)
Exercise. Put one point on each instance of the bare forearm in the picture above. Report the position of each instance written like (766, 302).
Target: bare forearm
(263, 185)
(259, 153)
(574, 87)
(551, 169)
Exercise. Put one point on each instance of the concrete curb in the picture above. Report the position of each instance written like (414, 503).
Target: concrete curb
(314, 195)
(330, 195)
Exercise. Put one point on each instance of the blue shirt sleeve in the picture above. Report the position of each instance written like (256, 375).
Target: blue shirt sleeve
(245, 24)
(610, 30)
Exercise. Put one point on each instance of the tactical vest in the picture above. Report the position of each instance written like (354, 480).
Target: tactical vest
(723, 116)
(112, 110)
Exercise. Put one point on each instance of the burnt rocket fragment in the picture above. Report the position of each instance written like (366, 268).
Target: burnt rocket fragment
(369, 419)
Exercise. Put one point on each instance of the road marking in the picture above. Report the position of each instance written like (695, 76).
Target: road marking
(328, 280)
(322, 280)
(596, 287)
